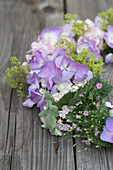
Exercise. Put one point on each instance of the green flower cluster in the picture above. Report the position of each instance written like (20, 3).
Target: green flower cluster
(107, 18)
(69, 18)
(16, 75)
(78, 27)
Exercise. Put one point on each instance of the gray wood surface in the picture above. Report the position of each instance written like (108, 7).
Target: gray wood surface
(24, 145)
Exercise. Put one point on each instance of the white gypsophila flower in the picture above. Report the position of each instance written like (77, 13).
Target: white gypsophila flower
(64, 111)
(108, 104)
(74, 88)
(62, 114)
(57, 96)
(63, 86)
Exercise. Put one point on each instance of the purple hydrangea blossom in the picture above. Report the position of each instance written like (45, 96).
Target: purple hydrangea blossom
(52, 75)
(50, 35)
(107, 134)
(108, 36)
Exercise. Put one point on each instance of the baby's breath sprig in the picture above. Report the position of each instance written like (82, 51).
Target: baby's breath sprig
(16, 75)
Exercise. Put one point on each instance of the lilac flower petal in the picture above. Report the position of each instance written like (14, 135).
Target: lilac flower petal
(33, 80)
(90, 75)
(42, 106)
(91, 43)
(33, 87)
(40, 103)
(110, 28)
(82, 46)
(34, 66)
(54, 89)
(109, 58)
(48, 72)
(66, 28)
(39, 58)
(79, 76)
(62, 62)
(52, 56)
(68, 74)
(108, 36)
(73, 66)
(44, 53)
(28, 103)
(98, 21)
(107, 135)
(58, 80)
(62, 52)
(109, 124)
(36, 46)
(97, 55)
(35, 97)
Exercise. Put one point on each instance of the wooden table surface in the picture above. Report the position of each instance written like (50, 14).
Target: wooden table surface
(24, 145)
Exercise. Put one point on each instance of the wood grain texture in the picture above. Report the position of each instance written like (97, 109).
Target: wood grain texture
(24, 145)
(96, 159)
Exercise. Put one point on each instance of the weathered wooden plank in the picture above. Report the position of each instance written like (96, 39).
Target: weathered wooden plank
(94, 159)
(24, 145)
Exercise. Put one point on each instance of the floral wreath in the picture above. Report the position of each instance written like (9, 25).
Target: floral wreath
(62, 72)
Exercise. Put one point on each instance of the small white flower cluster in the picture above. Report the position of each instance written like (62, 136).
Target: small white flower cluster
(109, 105)
(65, 88)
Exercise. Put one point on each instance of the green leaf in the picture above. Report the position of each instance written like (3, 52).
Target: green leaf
(54, 111)
(51, 123)
(43, 113)
(105, 90)
(65, 99)
(50, 113)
